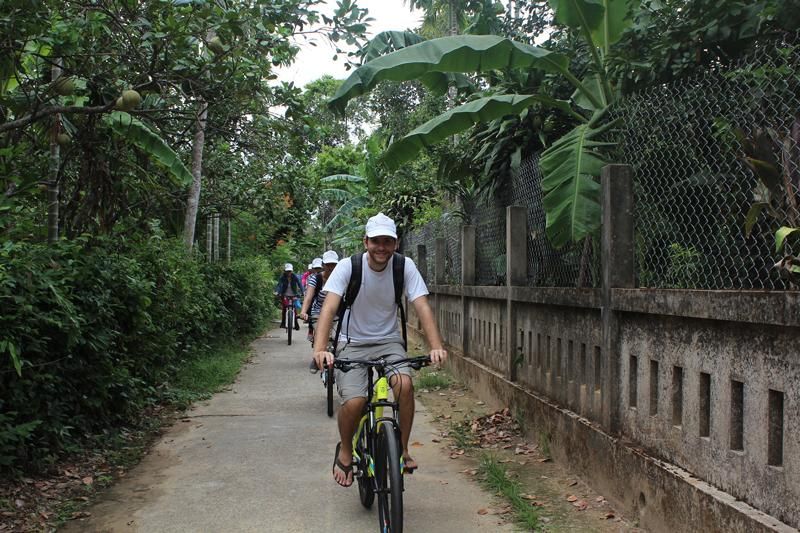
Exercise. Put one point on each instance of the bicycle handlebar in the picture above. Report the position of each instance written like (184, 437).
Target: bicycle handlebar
(414, 362)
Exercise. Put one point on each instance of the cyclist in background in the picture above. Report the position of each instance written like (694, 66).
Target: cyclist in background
(304, 277)
(288, 287)
(315, 295)
(314, 269)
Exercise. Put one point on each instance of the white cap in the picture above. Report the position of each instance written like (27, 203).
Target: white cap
(288, 267)
(310, 266)
(316, 263)
(330, 257)
(381, 226)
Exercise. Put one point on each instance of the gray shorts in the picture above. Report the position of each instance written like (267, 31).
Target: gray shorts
(353, 384)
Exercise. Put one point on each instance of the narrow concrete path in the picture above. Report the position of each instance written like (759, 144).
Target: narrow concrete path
(258, 458)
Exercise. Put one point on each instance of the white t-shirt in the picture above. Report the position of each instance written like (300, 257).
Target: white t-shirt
(374, 313)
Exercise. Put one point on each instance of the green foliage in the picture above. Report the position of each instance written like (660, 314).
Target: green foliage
(497, 477)
(207, 373)
(99, 325)
(684, 266)
(433, 379)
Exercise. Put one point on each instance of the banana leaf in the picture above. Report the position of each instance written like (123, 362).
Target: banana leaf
(571, 190)
(604, 20)
(343, 213)
(343, 178)
(459, 119)
(462, 53)
(154, 146)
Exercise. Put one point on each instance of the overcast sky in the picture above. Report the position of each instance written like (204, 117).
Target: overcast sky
(314, 61)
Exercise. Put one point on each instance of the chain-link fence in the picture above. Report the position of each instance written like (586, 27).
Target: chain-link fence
(708, 153)
(447, 227)
(574, 265)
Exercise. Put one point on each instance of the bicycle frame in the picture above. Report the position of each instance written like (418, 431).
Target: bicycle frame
(375, 415)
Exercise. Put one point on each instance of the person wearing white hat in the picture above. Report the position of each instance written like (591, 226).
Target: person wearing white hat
(372, 332)
(288, 286)
(315, 294)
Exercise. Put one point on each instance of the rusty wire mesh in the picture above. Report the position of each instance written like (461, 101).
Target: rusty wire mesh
(448, 228)
(452, 236)
(490, 244)
(575, 264)
(687, 143)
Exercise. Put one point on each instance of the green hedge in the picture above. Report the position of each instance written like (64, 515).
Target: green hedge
(92, 330)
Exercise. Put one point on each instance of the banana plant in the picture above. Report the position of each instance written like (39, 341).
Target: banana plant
(138, 134)
(571, 165)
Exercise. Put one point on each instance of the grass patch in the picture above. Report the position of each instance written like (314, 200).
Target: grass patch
(432, 379)
(462, 435)
(496, 476)
(544, 444)
(207, 373)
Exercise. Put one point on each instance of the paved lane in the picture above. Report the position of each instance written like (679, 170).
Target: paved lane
(258, 458)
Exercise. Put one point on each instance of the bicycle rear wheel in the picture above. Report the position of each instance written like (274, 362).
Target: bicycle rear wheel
(389, 480)
(290, 323)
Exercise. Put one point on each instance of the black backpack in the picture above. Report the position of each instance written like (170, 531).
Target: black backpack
(354, 285)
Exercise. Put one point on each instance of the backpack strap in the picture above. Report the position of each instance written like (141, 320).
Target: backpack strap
(350, 294)
(399, 277)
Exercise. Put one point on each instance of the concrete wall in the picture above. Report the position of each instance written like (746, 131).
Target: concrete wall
(682, 405)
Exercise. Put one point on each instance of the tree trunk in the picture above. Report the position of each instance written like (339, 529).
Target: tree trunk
(216, 237)
(229, 239)
(209, 237)
(197, 168)
(54, 163)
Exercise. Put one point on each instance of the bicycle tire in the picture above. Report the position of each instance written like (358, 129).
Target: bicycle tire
(389, 480)
(329, 385)
(366, 492)
(290, 323)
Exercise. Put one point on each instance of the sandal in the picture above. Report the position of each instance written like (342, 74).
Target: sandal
(406, 469)
(347, 469)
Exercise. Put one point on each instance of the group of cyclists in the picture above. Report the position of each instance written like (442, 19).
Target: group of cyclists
(371, 284)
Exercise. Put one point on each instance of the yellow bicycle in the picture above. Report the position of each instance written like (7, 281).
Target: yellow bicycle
(377, 454)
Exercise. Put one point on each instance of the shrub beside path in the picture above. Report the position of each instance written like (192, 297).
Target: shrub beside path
(258, 457)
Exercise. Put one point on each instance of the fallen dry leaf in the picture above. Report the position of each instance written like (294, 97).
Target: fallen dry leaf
(599, 499)
(416, 444)
(609, 516)
(88, 480)
(528, 496)
(581, 505)
(436, 440)
(573, 483)
(470, 471)
(483, 511)
(572, 498)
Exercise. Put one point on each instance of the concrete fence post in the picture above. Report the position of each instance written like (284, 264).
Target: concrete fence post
(617, 265)
(422, 261)
(440, 249)
(468, 260)
(516, 275)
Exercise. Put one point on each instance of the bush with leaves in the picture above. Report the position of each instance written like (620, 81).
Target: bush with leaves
(92, 329)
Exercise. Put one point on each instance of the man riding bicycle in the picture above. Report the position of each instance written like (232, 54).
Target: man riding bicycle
(288, 287)
(369, 331)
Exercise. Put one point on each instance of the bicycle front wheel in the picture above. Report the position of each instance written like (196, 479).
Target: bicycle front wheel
(290, 323)
(389, 479)
(329, 385)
